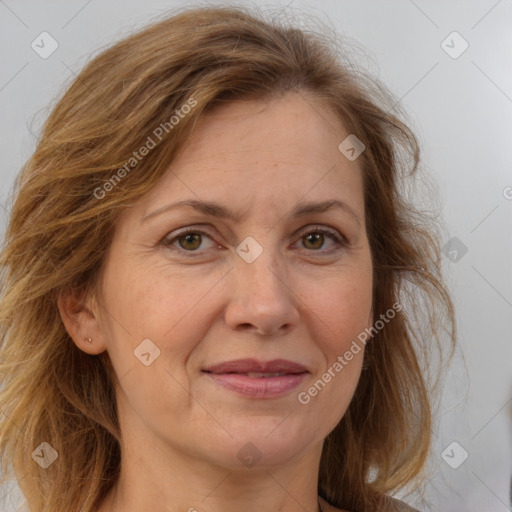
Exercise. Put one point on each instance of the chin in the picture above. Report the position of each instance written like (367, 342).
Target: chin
(261, 443)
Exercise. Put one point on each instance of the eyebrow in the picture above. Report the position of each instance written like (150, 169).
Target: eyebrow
(217, 210)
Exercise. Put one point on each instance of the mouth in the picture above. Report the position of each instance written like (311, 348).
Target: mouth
(254, 366)
(258, 379)
(260, 374)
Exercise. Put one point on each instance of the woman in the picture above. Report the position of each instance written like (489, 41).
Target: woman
(206, 302)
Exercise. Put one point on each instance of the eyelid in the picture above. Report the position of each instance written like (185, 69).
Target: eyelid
(336, 236)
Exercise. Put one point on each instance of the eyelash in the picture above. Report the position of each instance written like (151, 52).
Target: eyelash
(339, 240)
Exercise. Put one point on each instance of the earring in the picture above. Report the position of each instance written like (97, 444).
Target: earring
(89, 340)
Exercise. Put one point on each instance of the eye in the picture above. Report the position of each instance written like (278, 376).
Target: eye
(189, 240)
(316, 237)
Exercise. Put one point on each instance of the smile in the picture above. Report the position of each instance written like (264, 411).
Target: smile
(257, 384)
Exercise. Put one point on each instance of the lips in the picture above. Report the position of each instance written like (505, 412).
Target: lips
(255, 367)
(258, 379)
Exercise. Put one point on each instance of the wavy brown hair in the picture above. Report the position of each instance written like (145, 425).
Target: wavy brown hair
(59, 231)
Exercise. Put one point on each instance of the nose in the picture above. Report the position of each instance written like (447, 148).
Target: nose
(262, 298)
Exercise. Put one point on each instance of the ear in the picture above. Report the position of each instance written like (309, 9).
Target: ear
(82, 321)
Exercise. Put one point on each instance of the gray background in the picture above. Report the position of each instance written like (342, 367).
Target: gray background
(461, 109)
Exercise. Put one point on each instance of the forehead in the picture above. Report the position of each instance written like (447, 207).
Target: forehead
(295, 123)
(276, 152)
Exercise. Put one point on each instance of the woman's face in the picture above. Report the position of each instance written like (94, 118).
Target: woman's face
(263, 282)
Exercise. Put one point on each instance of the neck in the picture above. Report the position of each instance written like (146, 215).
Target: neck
(166, 480)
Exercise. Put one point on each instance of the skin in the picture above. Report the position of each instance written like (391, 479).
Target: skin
(302, 299)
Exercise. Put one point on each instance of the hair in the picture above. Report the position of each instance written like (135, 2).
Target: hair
(62, 220)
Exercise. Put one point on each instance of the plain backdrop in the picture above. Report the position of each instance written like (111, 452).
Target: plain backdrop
(459, 101)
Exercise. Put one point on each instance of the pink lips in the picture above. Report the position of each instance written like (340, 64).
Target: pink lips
(246, 376)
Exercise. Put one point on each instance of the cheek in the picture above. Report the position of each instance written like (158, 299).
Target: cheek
(155, 327)
(344, 311)
(174, 313)
(342, 317)
(149, 301)
(341, 313)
